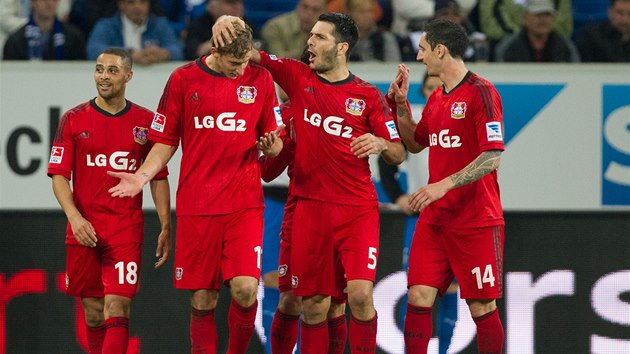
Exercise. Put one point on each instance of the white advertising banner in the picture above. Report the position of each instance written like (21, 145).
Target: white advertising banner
(567, 128)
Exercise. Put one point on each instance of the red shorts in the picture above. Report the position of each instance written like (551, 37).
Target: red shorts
(211, 246)
(332, 243)
(284, 258)
(100, 271)
(473, 255)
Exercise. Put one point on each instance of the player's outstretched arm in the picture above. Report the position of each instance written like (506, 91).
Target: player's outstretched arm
(82, 229)
(161, 193)
(131, 184)
(270, 144)
(485, 163)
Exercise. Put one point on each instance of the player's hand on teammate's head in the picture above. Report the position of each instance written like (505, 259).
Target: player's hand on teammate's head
(223, 30)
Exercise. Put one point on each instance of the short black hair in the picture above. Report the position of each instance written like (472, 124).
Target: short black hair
(448, 33)
(123, 53)
(345, 29)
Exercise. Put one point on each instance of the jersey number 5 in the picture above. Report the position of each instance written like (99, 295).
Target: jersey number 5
(488, 277)
(372, 258)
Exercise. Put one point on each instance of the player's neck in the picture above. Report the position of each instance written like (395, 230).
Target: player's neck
(454, 72)
(211, 62)
(339, 73)
(112, 105)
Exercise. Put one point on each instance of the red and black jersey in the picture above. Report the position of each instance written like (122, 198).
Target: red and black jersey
(217, 120)
(458, 126)
(89, 142)
(327, 117)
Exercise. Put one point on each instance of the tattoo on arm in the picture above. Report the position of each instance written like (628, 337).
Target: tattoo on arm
(402, 111)
(145, 176)
(485, 163)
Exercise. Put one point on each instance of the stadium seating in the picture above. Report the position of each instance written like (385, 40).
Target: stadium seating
(259, 11)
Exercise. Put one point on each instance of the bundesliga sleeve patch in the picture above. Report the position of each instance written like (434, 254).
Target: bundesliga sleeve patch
(493, 131)
(276, 113)
(391, 127)
(159, 121)
(56, 154)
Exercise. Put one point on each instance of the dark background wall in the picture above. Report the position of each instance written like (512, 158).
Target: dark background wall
(577, 265)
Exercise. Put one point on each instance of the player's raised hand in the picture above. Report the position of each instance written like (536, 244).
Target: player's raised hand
(270, 144)
(83, 230)
(130, 184)
(399, 88)
(163, 247)
(366, 145)
(223, 30)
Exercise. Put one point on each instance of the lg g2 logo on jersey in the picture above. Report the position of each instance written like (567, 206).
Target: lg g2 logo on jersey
(444, 140)
(225, 122)
(118, 161)
(332, 125)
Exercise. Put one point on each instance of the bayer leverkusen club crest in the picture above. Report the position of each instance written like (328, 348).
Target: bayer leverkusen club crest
(246, 94)
(458, 110)
(355, 106)
(140, 134)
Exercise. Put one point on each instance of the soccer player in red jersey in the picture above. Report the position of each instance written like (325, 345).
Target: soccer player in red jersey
(284, 326)
(223, 111)
(104, 235)
(461, 228)
(339, 121)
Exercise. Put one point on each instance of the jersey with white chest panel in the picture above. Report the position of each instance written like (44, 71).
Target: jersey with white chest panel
(217, 120)
(327, 116)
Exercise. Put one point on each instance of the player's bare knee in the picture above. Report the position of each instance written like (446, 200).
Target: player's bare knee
(480, 307)
(315, 308)
(336, 310)
(244, 290)
(93, 309)
(360, 298)
(421, 296)
(117, 306)
(289, 304)
(204, 299)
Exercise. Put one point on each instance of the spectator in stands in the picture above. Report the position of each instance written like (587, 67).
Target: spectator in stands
(45, 37)
(374, 44)
(14, 14)
(85, 13)
(148, 36)
(608, 41)
(501, 18)
(285, 35)
(12, 17)
(537, 41)
(198, 40)
(340, 6)
(181, 13)
(451, 10)
(408, 11)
